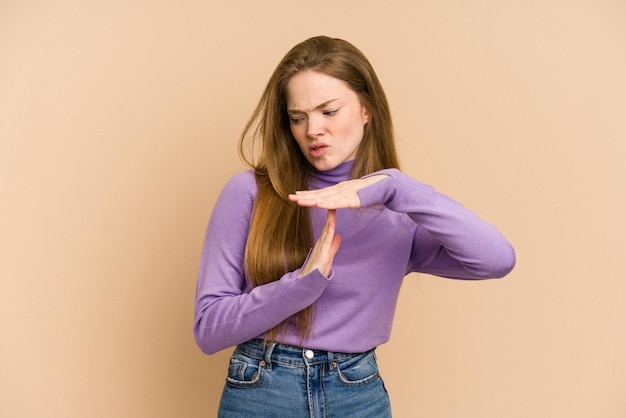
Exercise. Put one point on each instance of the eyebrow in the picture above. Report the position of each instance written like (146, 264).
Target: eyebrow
(320, 106)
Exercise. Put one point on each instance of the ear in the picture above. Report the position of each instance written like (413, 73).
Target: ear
(365, 114)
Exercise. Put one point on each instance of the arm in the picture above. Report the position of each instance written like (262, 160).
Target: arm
(227, 312)
(450, 241)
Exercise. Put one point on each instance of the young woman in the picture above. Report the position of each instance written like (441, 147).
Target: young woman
(305, 253)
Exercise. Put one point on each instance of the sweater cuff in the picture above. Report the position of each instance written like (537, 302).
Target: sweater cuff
(380, 192)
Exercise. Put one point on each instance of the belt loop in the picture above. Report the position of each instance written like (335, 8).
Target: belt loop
(331, 362)
(267, 355)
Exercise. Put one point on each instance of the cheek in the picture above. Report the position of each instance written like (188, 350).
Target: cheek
(294, 130)
(351, 129)
(298, 129)
(298, 134)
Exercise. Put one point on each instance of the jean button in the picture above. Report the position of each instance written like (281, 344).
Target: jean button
(309, 354)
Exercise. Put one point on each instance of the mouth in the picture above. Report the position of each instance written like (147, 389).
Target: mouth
(317, 149)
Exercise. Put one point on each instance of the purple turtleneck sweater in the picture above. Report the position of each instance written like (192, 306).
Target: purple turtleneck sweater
(403, 226)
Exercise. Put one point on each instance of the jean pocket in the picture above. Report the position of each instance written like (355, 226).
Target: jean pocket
(244, 371)
(359, 370)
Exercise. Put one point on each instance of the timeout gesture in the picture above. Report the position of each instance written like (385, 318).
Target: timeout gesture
(341, 195)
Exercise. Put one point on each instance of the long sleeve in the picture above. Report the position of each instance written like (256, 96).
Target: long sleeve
(450, 240)
(404, 226)
(227, 311)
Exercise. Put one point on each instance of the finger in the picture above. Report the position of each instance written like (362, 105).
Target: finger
(303, 200)
(329, 227)
(325, 248)
(335, 199)
(313, 194)
(329, 243)
(334, 248)
(331, 217)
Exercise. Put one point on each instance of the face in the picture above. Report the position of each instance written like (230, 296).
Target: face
(326, 118)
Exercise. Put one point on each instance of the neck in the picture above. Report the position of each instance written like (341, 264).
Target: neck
(340, 173)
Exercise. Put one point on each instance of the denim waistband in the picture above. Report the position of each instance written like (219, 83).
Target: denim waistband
(291, 355)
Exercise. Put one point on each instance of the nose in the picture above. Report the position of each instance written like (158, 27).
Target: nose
(315, 127)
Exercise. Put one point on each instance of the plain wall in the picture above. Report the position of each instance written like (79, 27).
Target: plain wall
(119, 123)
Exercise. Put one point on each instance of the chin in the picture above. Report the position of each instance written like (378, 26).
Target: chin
(324, 166)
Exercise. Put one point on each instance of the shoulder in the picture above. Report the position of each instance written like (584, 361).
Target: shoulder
(244, 179)
(240, 186)
(235, 201)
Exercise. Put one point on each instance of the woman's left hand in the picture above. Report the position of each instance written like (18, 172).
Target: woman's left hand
(341, 195)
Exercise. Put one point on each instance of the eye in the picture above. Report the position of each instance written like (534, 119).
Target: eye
(296, 121)
(330, 112)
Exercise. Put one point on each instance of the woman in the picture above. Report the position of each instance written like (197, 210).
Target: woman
(305, 253)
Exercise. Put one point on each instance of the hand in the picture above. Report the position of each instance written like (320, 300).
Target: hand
(325, 248)
(341, 195)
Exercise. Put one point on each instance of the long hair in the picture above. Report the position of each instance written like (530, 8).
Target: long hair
(280, 234)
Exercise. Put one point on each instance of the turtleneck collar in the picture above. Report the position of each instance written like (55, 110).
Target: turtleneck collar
(333, 176)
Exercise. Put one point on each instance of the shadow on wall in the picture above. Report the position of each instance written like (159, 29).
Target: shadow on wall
(213, 374)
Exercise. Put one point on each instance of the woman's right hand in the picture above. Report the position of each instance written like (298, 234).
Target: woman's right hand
(325, 248)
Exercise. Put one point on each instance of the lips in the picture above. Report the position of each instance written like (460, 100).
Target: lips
(318, 149)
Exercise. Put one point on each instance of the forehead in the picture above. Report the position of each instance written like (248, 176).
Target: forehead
(307, 90)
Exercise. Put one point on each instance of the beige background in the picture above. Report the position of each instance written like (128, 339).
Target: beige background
(118, 128)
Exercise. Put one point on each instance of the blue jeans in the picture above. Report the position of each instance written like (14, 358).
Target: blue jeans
(286, 381)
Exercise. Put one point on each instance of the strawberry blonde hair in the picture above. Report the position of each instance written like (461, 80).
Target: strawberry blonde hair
(280, 235)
